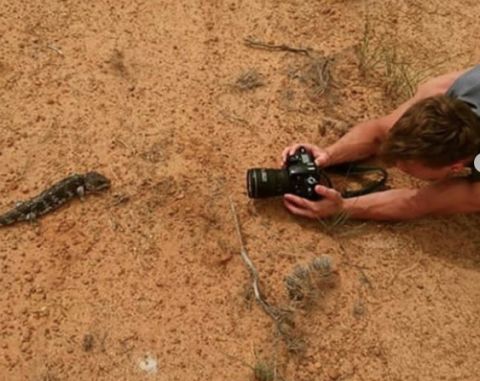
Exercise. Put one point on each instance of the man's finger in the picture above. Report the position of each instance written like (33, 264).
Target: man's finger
(293, 148)
(285, 154)
(298, 211)
(299, 201)
(321, 158)
(289, 151)
(329, 193)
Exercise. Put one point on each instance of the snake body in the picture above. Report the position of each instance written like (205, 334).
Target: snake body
(76, 185)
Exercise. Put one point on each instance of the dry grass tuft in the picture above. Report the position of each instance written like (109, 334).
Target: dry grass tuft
(381, 56)
(263, 371)
(249, 80)
(306, 283)
(117, 61)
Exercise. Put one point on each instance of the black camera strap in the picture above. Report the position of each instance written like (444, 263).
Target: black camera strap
(347, 169)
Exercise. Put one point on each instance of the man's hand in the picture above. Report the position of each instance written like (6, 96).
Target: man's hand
(440, 198)
(331, 203)
(320, 155)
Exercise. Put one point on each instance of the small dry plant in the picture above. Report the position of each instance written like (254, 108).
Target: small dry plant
(249, 80)
(307, 283)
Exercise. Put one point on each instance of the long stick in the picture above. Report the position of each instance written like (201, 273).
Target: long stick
(255, 44)
(269, 309)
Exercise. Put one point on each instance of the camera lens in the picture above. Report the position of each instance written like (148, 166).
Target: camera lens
(262, 182)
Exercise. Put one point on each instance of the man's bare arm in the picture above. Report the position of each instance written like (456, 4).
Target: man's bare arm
(364, 139)
(444, 198)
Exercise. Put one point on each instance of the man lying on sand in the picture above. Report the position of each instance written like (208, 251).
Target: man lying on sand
(433, 136)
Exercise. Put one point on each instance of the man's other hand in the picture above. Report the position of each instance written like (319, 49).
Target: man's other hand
(331, 203)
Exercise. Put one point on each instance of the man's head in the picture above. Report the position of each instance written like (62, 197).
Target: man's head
(434, 138)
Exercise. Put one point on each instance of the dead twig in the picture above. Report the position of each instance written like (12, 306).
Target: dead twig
(282, 317)
(120, 198)
(270, 310)
(232, 117)
(253, 43)
(403, 272)
(55, 49)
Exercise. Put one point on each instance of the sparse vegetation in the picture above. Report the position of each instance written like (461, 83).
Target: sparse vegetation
(316, 74)
(380, 55)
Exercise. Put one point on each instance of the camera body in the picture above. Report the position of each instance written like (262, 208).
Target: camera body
(299, 176)
(303, 174)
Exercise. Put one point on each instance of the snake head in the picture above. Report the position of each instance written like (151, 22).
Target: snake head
(95, 182)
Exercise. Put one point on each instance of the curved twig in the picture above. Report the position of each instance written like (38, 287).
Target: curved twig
(270, 310)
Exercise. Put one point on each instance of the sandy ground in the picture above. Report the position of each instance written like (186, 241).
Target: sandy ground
(145, 282)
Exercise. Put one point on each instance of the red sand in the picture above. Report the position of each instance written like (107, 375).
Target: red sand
(140, 91)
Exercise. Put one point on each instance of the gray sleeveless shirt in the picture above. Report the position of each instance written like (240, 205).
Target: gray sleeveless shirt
(467, 89)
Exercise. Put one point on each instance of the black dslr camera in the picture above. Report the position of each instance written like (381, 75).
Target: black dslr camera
(299, 176)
